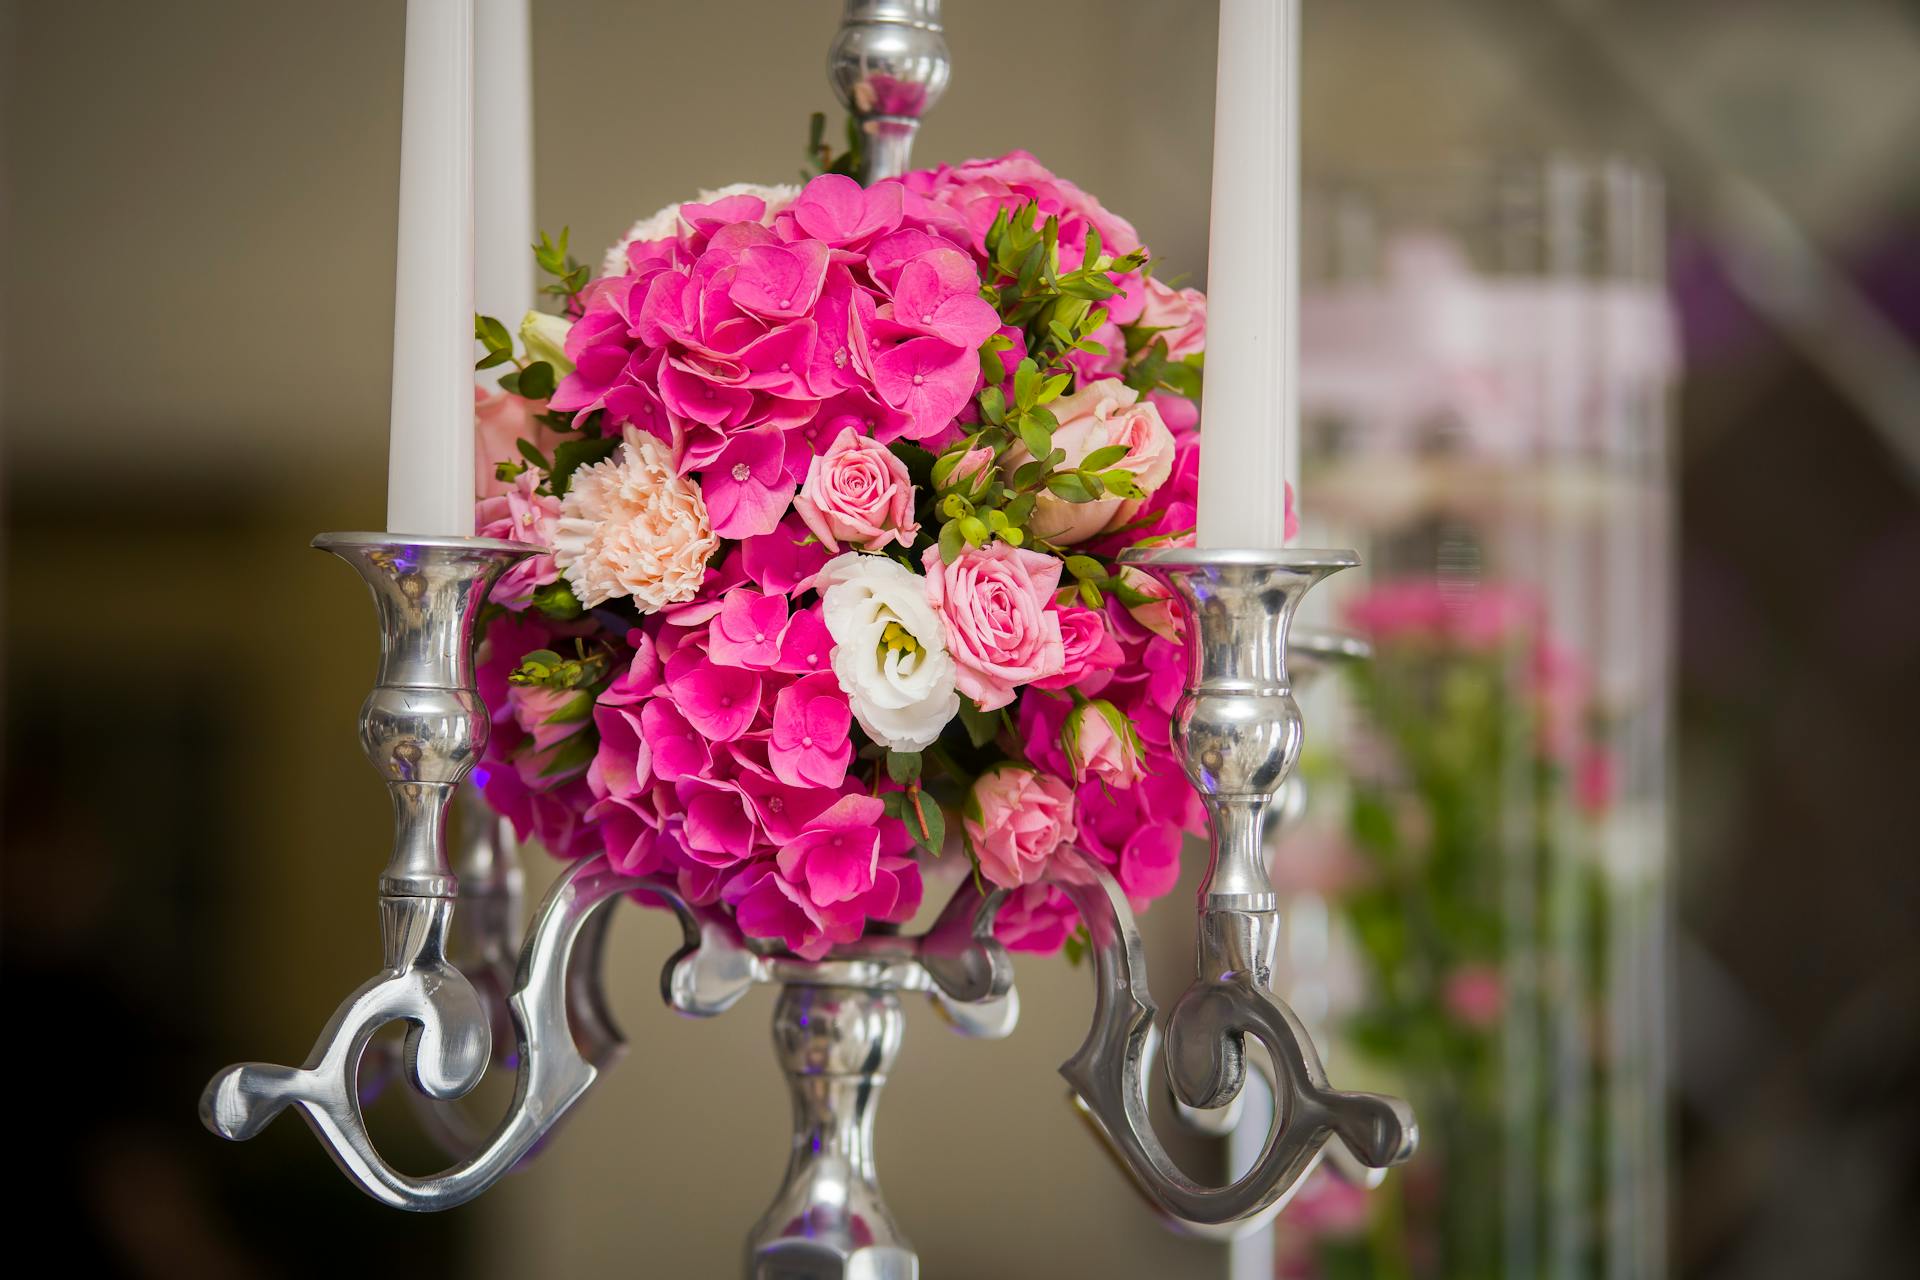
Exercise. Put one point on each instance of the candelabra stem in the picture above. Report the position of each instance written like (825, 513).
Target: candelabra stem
(889, 65)
(836, 1045)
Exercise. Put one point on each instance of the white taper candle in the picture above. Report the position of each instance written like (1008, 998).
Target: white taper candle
(1249, 410)
(430, 445)
(503, 283)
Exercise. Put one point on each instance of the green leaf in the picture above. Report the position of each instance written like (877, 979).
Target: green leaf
(1026, 384)
(492, 333)
(1078, 943)
(571, 755)
(952, 541)
(1086, 567)
(570, 455)
(1103, 457)
(981, 725)
(1051, 389)
(918, 461)
(1070, 486)
(1036, 436)
(492, 358)
(536, 380)
(533, 455)
(993, 405)
(1121, 483)
(903, 766)
(935, 834)
(1028, 475)
(557, 601)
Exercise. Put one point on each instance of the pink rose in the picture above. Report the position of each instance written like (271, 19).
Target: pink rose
(1092, 654)
(1017, 819)
(500, 418)
(518, 514)
(1102, 743)
(1180, 314)
(969, 475)
(1001, 630)
(858, 492)
(1103, 413)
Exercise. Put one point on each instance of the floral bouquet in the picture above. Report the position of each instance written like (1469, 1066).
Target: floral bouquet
(830, 483)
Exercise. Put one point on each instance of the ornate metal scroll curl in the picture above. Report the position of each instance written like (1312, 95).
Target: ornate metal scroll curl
(1237, 731)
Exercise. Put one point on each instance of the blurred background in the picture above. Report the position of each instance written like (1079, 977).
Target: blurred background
(198, 242)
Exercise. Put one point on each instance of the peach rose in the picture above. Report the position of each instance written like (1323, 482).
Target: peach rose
(1107, 412)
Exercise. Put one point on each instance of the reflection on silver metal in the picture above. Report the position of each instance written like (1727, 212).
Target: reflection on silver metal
(836, 1045)
(1237, 731)
(889, 65)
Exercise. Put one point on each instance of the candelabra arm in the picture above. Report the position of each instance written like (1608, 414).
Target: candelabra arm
(1237, 731)
(1109, 1073)
(554, 1071)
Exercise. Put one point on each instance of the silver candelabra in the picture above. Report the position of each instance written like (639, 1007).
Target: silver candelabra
(837, 1022)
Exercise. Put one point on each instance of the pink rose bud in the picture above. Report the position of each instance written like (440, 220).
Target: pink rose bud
(967, 474)
(1179, 314)
(1101, 742)
(1157, 613)
(858, 492)
(1473, 994)
(1017, 820)
(1092, 654)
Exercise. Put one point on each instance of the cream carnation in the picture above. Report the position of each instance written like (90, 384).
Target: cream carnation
(889, 649)
(666, 222)
(633, 526)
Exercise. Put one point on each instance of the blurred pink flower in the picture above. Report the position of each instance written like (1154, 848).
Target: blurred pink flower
(1473, 996)
(499, 420)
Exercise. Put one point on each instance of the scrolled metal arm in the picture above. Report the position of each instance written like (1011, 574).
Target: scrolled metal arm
(1110, 1069)
(447, 1052)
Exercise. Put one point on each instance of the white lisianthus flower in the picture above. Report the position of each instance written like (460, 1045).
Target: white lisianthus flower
(889, 649)
(666, 222)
